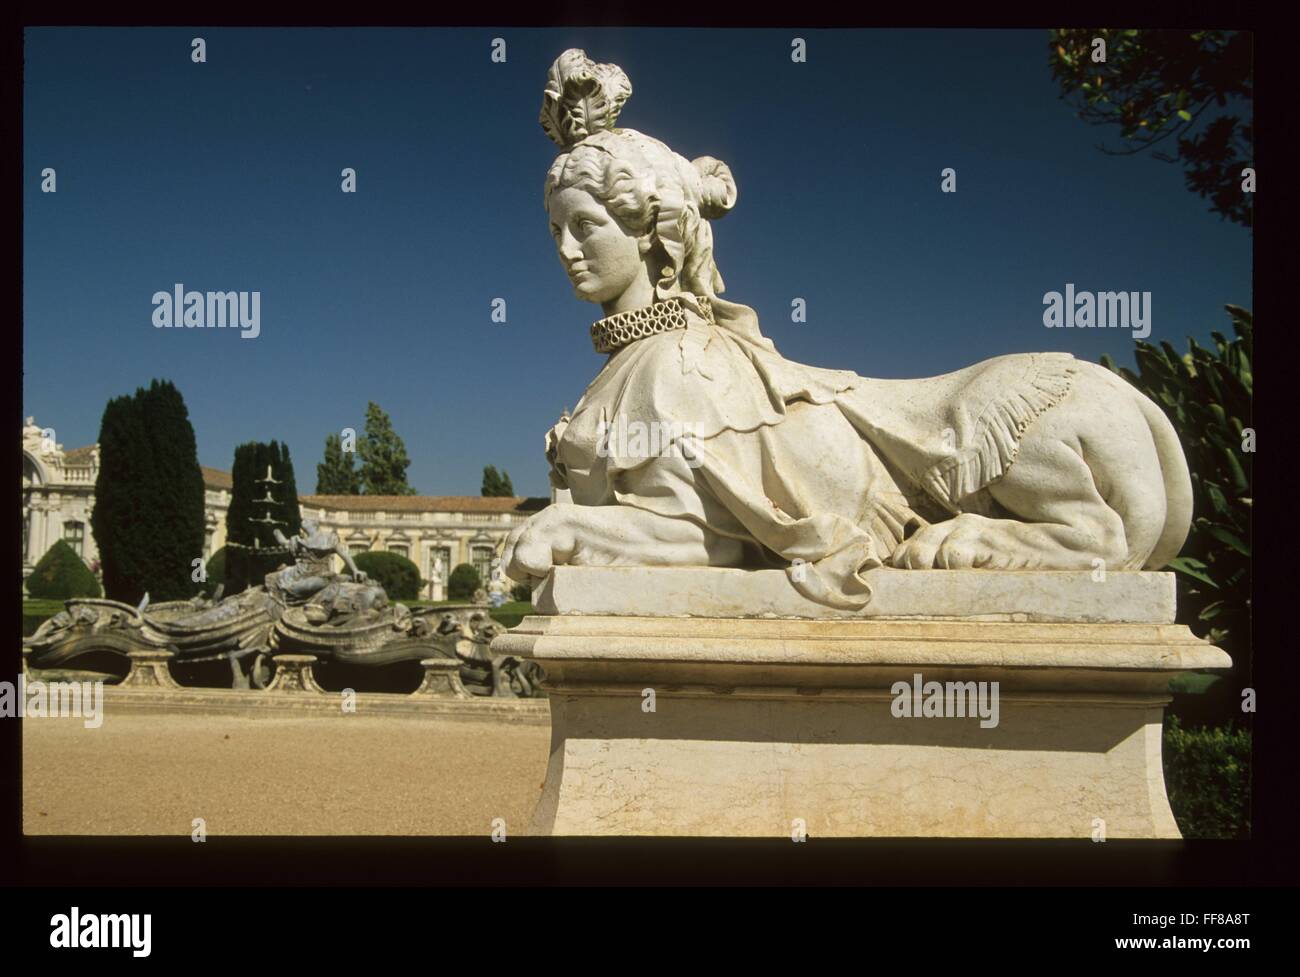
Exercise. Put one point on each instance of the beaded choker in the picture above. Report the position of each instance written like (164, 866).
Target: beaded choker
(618, 330)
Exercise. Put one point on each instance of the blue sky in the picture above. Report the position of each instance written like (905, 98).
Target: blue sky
(226, 176)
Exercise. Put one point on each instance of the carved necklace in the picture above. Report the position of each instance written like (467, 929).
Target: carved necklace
(618, 330)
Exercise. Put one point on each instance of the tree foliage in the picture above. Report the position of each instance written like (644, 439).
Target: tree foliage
(399, 577)
(496, 484)
(148, 519)
(462, 583)
(1207, 772)
(247, 532)
(1169, 88)
(336, 474)
(1206, 393)
(383, 456)
(61, 574)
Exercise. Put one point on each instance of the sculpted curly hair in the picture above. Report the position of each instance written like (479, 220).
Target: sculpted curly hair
(651, 189)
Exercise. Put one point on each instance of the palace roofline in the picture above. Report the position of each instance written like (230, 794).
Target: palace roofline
(425, 503)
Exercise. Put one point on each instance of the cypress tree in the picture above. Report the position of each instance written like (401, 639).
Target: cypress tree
(282, 465)
(124, 466)
(383, 456)
(336, 474)
(246, 532)
(149, 496)
(176, 496)
(496, 483)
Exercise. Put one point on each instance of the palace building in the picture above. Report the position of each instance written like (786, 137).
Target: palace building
(59, 495)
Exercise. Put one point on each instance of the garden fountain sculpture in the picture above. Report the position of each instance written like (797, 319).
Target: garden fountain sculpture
(304, 608)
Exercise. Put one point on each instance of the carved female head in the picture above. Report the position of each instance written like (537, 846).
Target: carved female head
(629, 216)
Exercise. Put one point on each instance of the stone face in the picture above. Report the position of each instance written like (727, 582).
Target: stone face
(1078, 596)
(765, 726)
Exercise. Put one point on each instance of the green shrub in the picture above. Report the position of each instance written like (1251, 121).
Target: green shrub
(216, 571)
(462, 583)
(521, 592)
(1207, 394)
(1207, 774)
(61, 574)
(399, 577)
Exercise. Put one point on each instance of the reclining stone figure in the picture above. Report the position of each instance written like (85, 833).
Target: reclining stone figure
(1027, 461)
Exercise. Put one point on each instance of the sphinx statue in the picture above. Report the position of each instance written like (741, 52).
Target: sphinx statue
(1027, 461)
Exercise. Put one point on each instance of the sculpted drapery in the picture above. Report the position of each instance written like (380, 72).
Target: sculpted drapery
(740, 470)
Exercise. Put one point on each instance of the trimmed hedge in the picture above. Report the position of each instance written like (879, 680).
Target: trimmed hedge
(1207, 774)
(61, 574)
(462, 583)
(399, 577)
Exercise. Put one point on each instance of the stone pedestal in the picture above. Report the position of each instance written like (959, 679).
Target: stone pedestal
(665, 723)
(442, 679)
(293, 674)
(149, 670)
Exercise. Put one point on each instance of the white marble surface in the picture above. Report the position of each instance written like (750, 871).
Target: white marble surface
(978, 595)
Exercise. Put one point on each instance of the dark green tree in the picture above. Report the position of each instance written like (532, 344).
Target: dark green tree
(496, 483)
(462, 583)
(336, 475)
(383, 456)
(125, 468)
(61, 574)
(399, 577)
(148, 519)
(178, 501)
(247, 531)
(1169, 88)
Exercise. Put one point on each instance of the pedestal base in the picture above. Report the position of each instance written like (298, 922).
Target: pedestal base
(442, 679)
(293, 675)
(149, 670)
(769, 727)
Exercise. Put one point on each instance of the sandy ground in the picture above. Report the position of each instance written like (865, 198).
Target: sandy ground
(153, 775)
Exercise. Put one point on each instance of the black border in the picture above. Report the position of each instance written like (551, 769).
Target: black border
(1268, 859)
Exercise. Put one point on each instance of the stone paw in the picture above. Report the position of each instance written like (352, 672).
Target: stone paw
(950, 545)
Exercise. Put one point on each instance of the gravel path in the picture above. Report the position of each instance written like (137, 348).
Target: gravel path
(153, 775)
